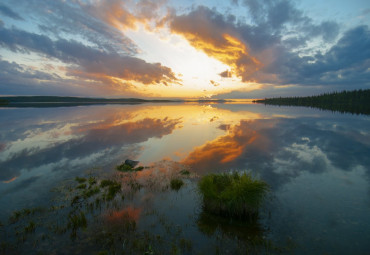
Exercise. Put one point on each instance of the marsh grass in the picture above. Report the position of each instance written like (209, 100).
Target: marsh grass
(127, 168)
(21, 214)
(89, 212)
(185, 172)
(81, 211)
(232, 194)
(176, 184)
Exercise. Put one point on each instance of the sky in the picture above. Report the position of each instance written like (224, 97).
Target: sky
(216, 49)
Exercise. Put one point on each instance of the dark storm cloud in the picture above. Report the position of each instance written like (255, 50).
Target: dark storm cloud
(87, 59)
(6, 11)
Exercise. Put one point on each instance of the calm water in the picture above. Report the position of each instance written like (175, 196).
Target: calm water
(316, 162)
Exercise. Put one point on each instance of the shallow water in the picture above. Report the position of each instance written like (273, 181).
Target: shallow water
(316, 162)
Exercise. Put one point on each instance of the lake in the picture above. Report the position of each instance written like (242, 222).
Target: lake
(316, 162)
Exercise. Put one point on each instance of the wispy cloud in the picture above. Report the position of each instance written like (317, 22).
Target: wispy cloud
(6, 11)
(87, 60)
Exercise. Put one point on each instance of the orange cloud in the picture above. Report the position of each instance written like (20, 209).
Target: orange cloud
(11, 180)
(126, 15)
(128, 213)
(217, 41)
(224, 149)
(116, 70)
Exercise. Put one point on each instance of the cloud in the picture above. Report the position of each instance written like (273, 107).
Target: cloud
(346, 62)
(226, 74)
(224, 149)
(6, 11)
(275, 43)
(18, 79)
(254, 51)
(282, 149)
(121, 15)
(214, 83)
(12, 72)
(101, 138)
(85, 59)
(209, 32)
(60, 19)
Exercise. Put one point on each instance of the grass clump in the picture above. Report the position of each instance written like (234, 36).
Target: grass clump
(185, 172)
(232, 194)
(19, 215)
(127, 168)
(81, 186)
(111, 190)
(80, 179)
(90, 192)
(176, 184)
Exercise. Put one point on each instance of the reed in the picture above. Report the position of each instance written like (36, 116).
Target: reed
(232, 194)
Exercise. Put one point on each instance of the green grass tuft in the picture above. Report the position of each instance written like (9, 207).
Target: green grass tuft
(185, 172)
(80, 180)
(81, 186)
(106, 183)
(139, 168)
(176, 184)
(127, 168)
(124, 167)
(232, 195)
(90, 192)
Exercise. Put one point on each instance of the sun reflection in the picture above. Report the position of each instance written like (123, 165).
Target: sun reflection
(153, 132)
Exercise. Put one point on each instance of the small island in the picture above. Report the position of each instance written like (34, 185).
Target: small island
(355, 102)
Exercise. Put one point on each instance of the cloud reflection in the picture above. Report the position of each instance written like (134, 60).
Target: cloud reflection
(87, 144)
(280, 150)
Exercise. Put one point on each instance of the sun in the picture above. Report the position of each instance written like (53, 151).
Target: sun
(199, 73)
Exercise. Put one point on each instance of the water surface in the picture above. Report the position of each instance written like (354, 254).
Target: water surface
(316, 162)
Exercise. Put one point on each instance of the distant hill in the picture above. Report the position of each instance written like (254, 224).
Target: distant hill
(357, 101)
(47, 101)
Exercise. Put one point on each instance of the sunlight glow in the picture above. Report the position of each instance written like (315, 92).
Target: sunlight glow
(200, 74)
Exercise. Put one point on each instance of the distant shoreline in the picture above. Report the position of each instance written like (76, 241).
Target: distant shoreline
(355, 102)
(61, 101)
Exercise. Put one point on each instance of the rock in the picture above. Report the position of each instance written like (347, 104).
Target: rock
(131, 163)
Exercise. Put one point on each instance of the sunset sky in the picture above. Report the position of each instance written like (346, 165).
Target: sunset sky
(183, 49)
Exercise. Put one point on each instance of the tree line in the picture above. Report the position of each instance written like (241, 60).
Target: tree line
(356, 101)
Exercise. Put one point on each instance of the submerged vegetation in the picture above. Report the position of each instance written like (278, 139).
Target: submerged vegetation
(232, 194)
(176, 184)
(99, 216)
(357, 101)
